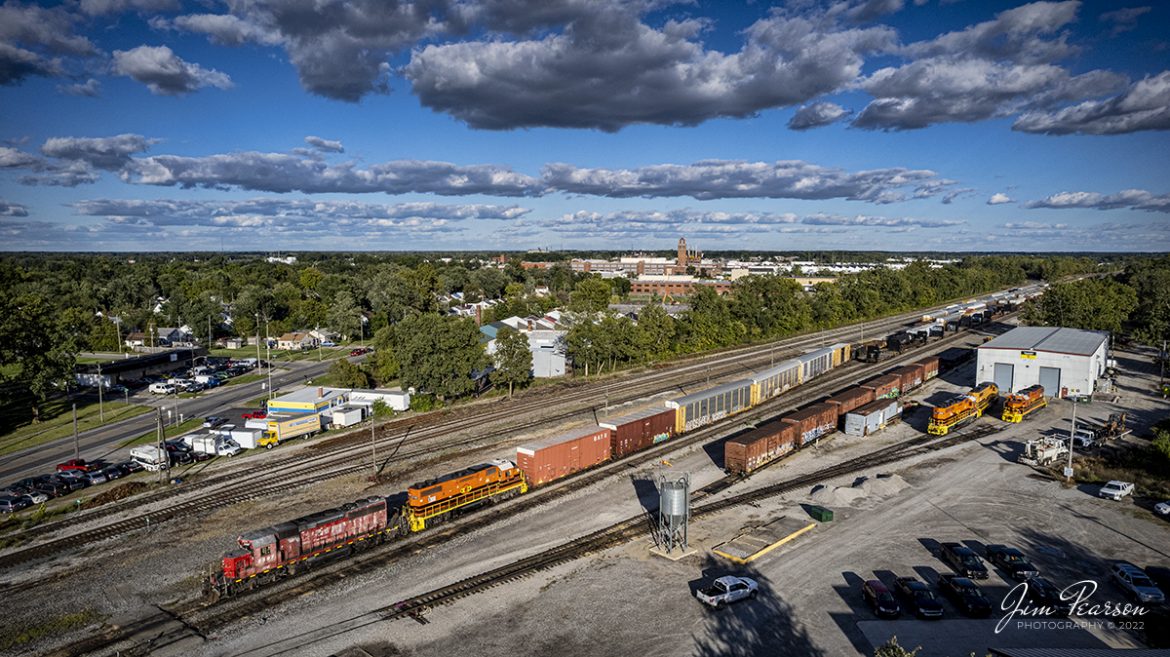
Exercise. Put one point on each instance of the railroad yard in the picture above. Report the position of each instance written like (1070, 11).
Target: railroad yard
(567, 569)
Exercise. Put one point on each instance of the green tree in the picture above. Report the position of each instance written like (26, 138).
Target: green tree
(709, 324)
(381, 410)
(383, 364)
(656, 332)
(585, 344)
(1094, 304)
(591, 295)
(37, 353)
(348, 375)
(345, 316)
(513, 359)
(310, 278)
(438, 354)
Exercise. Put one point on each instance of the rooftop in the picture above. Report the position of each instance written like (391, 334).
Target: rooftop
(1048, 338)
(308, 395)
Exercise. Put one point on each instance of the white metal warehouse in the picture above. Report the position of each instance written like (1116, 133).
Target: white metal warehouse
(1067, 362)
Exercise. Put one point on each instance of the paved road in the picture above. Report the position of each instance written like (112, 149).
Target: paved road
(103, 442)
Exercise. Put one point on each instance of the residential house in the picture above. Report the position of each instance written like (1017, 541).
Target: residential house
(297, 341)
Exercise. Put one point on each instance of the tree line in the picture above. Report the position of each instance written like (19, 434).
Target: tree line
(57, 305)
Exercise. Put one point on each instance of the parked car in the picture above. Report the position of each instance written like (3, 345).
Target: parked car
(1012, 561)
(1040, 592)
(880, 599)
(162, 389)
(918, 598)
(1136, 583)
(328, 343)
(1162, 508)
(117, 389)
(965, 594)
(78, 465)
(74, 480)
(54, 488)
(36, 497)
(255, 415)
(963, 560)
(1115, 490)
(115, 471)
(726, 590)
(96, 477)
(12, 503)
(131, 466)
(213, 421)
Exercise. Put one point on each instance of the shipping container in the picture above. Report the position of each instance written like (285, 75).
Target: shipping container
(637, 431)
(550, 459)
(814, 421)
(759, 446)
(910, 375)
(872, 417)
(884, 386)
(703, 408)
(775, 380)
(929, 367)
(850, 399)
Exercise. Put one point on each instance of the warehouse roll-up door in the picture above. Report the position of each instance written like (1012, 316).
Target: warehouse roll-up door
(1050, 379)
(1004, 372)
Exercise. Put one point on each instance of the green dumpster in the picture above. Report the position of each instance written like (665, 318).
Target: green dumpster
(821, 514)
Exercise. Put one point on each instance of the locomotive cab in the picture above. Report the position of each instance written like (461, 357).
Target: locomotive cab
(237, 563)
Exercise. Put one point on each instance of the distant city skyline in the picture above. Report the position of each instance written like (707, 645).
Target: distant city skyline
(484, 125)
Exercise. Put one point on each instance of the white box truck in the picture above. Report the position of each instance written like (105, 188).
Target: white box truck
(151, 458)
(215, 445)
(247, 438)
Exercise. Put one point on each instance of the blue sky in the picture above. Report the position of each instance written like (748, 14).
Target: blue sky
(151, 125)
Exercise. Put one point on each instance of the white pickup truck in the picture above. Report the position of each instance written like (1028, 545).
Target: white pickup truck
(1115, 490)
(726, 590)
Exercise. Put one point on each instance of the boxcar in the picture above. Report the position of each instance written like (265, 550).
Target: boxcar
(910, 375)
(814, 421)
(929, 367)
(884, 386)
(637, 431)
(872, 417)
(850, 399)
(703, 408)
(816, 363)
(560, 456)
(775, 380)
(759, 446)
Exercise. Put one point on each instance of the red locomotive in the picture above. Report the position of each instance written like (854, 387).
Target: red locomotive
(269, 554)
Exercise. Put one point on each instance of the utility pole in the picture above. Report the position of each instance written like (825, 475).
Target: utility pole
(1068, 471)
(162, 453)
(101, 384)
(373, 442)
(268, 354)
(76, 440)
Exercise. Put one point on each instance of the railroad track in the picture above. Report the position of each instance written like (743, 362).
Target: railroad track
(199, 618)
(312, 471)
(615, 535)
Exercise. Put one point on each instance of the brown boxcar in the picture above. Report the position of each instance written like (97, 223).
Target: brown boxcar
(637, 431)
(761, 445)
(814, 421)
(850, 399)
(560, 456)
(884, 386)
(929, 367)
(911, 376)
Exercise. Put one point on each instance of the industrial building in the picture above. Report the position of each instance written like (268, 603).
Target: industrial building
(1067, 362)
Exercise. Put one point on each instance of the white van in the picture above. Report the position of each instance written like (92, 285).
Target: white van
(162, 389)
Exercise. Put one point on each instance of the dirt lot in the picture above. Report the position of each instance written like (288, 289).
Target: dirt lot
(625, 601)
